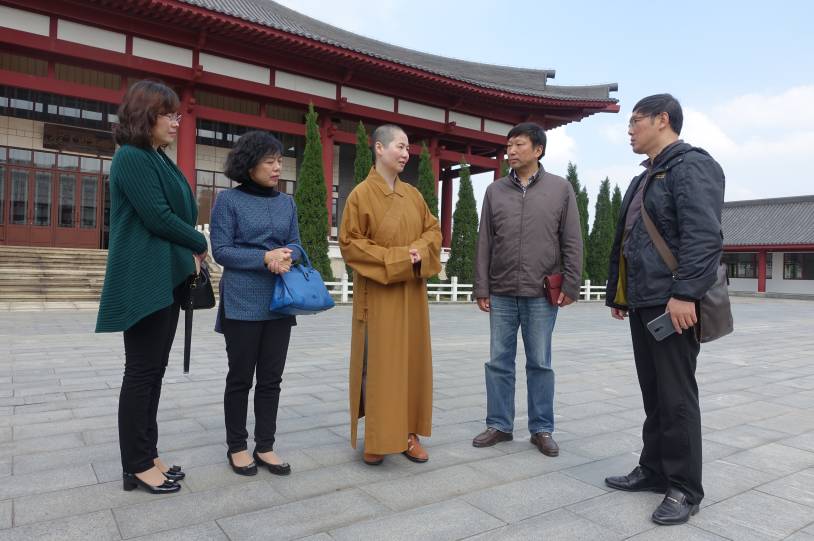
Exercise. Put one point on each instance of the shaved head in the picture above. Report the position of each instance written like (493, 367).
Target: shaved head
(385, 134)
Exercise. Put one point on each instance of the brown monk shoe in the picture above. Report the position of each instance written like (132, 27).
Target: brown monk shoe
(372, 460)
(545, 443)
(414, 451)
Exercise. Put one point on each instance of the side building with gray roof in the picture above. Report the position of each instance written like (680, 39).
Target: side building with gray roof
(769, 245)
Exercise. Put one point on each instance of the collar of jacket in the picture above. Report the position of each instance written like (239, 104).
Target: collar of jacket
(378, 181)
(534, 178)
(668, 153)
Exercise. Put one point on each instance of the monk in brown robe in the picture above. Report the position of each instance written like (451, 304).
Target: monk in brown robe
(392, 242)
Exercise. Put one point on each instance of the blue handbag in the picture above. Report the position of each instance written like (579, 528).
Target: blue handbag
(300, 291)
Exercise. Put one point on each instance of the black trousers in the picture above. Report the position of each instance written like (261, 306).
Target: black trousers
(261, 347)
(672, 428)
(147, 347)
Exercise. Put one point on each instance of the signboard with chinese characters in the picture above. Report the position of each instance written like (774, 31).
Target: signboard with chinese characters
(82, 140)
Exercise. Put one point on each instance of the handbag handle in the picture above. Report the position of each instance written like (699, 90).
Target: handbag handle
(302, 251)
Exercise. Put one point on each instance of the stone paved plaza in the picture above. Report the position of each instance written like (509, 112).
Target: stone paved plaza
(60, 476)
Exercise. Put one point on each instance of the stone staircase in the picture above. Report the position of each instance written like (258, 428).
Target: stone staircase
(36, 274)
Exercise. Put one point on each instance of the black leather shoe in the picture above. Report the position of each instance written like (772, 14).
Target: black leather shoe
(248, 471)
(674, 509)
(637, 481)
(131, 482)
(276, 469)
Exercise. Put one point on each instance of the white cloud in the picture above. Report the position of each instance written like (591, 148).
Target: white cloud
(760, 113)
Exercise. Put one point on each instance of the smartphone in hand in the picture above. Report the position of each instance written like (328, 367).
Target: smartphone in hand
(661, 327)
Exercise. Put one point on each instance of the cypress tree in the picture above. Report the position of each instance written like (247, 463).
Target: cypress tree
(582, 205)
(601, 237)
(464, 231)
(426, 180)
(616, 205)
(310, 198)
(364, 158)
(504, 168)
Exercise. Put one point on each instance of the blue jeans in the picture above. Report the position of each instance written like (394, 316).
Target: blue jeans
(536, 318)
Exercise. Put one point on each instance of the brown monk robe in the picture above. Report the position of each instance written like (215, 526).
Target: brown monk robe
(390, 311)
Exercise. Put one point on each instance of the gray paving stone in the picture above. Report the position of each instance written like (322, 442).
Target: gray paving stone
(525, 464)
(15, 486)
(407, 492)
(558, 524)
(97, 526)
(627, 513)
(684, 532)
(774, 458)
(5, 514)
(34, 462)
(604, 445)
(207, 531)
(798, 487)
(186, 509)
(745, 436)
(754, 515)
(724, 479)
(447, 520)
(513, 502)
(304, 517)
(594, 472)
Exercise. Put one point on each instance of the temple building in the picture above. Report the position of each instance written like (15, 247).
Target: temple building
(238, 65)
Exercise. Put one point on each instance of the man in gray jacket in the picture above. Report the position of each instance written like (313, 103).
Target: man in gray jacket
(529, 230)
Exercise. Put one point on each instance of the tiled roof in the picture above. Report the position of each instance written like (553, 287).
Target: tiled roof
(522, 81)
(784, 220)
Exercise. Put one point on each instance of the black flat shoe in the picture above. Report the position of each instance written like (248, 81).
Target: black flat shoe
(131, 482)
(248, 471)
(276, 469)
(674, 509)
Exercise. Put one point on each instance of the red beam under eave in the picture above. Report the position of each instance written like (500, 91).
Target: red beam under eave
(769, 248)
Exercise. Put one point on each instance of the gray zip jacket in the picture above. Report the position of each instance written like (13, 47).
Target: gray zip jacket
(526, 235)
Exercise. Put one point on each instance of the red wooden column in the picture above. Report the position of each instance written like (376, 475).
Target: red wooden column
(186, 137)
(761, 271)
(326, 134)
(500, 155)
(446, 212)
(435, 161)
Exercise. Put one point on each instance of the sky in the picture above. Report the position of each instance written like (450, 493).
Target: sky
(742, 70)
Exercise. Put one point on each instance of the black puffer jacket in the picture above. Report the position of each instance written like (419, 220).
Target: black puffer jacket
(684, 199)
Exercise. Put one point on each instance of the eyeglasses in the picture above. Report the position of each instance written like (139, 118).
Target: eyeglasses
(172, 117)
(635, 120)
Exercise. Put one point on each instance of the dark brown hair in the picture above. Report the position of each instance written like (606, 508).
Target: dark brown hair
(142, 104)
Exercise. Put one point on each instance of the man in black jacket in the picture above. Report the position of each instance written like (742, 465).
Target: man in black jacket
(682, 190)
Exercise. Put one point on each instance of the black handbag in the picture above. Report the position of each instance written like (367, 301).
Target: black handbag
(197, 295)
(714, 310)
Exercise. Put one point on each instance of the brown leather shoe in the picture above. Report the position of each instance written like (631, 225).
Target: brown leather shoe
(491, 436)
(372, 460)
(545, 443)
(414, 451)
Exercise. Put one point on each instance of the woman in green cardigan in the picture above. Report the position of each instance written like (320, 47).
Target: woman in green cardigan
(154, 247)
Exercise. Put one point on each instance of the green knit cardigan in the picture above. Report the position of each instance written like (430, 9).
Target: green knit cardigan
(152, 237)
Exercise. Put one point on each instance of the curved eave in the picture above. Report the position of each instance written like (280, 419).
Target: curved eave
(229, 26)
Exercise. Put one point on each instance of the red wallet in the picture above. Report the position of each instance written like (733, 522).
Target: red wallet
(552, 285)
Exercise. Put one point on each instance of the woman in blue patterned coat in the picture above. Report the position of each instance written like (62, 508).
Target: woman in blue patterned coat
(250, 228)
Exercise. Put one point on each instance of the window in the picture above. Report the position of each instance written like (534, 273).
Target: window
(798, 266)
(741, 265)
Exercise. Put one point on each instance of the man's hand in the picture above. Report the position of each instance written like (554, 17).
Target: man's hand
(279, 254)
(415, 256)
(483, 304)
(564, 300)
(618, 313)
(682, 313)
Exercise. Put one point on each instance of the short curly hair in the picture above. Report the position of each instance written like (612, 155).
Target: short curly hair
(252, 148)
